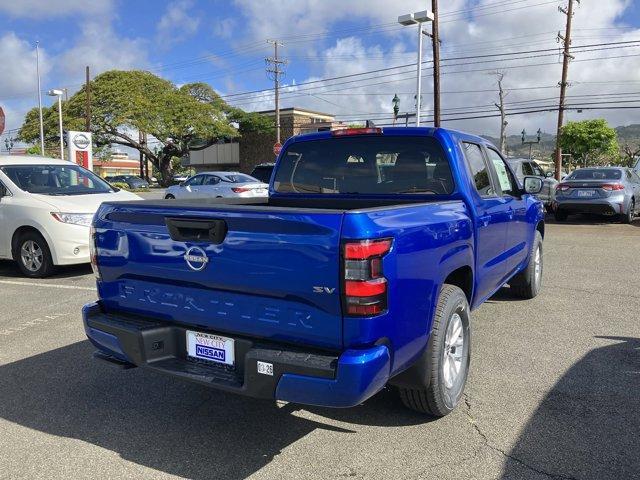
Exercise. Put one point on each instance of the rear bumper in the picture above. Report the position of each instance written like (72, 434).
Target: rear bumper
(300, 376)
(602, 207)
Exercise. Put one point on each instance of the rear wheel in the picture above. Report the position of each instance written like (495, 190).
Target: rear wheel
(631, 213)
(33, 255)
(169, 197)
(447, 359)
(527, 284)
(560, 215)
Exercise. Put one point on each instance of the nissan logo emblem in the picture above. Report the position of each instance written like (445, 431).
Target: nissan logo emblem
(81, 141)
(196, 259)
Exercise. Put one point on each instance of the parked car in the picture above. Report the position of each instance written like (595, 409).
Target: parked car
(131, 180)
(179, 178)
(218, 185)
(605, 191)
(338, 283)
(46, 207)
(523, 167)
(263, 171)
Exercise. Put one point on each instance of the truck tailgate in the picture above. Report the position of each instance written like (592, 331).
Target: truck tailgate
(258, 279)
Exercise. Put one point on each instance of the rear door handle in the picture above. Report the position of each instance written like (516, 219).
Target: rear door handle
(484, 220)
(197, 230)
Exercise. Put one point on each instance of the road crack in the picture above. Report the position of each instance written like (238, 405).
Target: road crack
(495, 448)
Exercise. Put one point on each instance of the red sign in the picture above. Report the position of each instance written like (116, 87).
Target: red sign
(277, 147)
(1, 120)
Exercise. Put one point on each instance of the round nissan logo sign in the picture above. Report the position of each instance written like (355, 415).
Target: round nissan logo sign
(196, 259)
(81, 141)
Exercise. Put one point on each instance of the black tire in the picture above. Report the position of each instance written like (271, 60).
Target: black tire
(169, 197)
(528, 283)
(560, 215)
(36, 261)
(437, 397)
(631, 213)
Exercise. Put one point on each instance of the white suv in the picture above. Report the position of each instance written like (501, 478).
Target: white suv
(46, 209)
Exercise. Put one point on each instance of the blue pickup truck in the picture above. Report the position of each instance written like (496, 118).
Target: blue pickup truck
(360, 270)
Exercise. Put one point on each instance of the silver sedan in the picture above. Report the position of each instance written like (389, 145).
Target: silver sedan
(605, 191)
(218, 185)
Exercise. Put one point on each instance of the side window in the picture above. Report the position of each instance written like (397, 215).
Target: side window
(479, 169)
(508, 185)
(537, 171)
(527, 169)
(211, 180)
(636, 177)
(197, 180)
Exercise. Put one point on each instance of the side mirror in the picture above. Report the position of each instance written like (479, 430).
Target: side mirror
(533, 185)
(550, 174)
(182, 184)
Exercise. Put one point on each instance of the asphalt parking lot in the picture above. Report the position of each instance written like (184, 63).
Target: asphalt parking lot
(554, 392)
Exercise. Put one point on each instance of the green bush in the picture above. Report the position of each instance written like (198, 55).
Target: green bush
(120, 185)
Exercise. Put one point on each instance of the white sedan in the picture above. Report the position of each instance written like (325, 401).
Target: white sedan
(46, 209)
(218, 185)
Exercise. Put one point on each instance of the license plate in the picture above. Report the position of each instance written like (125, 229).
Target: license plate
(265, 368)
(586, 193)
(213, 348)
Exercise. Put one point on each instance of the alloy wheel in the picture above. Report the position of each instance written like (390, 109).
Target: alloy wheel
(453, 353)
(31, 255)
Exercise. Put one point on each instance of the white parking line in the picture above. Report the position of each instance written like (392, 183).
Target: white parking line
(47, 285)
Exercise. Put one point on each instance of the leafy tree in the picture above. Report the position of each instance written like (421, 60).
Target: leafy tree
(588, 141)
(630, 155)
(126, 102)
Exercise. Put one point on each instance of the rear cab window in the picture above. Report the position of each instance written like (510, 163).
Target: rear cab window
(365, 165)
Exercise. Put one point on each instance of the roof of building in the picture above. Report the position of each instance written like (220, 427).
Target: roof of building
(298, 111)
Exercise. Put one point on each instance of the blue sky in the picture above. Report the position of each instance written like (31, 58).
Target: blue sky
(224, 43)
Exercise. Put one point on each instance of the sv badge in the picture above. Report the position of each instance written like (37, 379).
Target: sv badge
(323, 290)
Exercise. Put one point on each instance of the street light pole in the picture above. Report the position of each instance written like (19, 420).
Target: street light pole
(412, 19)
(39, 99)
(59, 93)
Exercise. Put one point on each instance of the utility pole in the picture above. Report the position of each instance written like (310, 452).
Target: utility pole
(436, 64)
(87, 111)
(40, 99)
(275, 72)
(141, 142)
(566, 39)
(503, 114)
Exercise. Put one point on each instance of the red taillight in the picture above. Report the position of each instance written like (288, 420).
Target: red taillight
(93, 252)
(366, 248)
(240, 189)
(356, 131)
(365, 287)
(563, 187)
(610, 187)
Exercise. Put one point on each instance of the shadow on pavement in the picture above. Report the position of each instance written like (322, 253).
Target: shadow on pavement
(10, 269)
(588, 426)
(179, 428)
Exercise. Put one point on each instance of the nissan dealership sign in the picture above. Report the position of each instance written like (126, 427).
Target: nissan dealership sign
(80, 149)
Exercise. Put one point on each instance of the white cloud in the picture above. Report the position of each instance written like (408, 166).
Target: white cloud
(102, 49)
(177, 23)
(472, 33)
(18, 76)
(54, 8)
(225, 28)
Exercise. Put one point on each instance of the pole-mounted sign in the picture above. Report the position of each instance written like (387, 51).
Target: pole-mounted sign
(80, 149)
